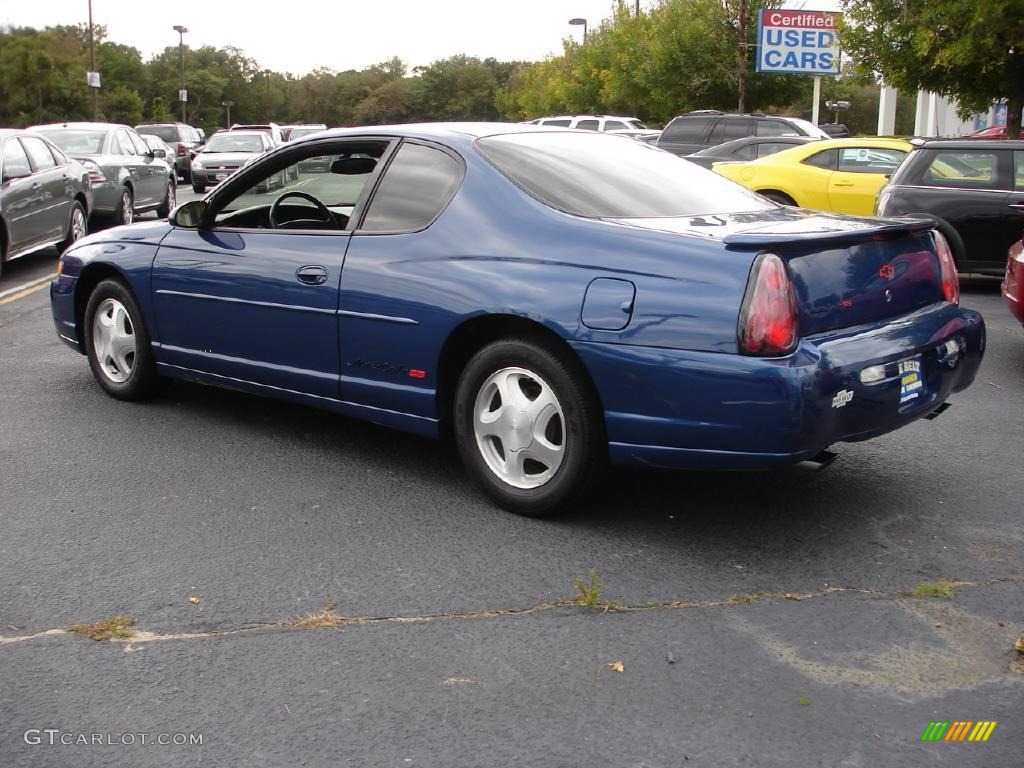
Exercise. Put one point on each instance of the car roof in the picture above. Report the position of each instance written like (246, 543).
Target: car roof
(82, 126)
(241, 132)
(1017, 144)
(441, 131)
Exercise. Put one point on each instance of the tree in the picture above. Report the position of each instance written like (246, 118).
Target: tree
(969, 50)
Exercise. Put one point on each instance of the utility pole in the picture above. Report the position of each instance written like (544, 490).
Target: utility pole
(182, 94)
(227, 104)
(92, 71)
(741, 55)
(638, 9)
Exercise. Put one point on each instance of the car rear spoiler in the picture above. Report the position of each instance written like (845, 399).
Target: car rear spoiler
(829, 230)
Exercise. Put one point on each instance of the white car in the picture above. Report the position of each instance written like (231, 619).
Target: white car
(593, 122)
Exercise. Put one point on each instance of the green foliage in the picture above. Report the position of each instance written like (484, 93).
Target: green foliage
(678, 56)
(969, 50)
(589, 594)
(938, 588)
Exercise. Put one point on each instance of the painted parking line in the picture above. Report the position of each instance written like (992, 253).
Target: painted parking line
(25, 289)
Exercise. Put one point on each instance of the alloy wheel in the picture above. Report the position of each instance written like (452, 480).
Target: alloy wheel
(113, 338)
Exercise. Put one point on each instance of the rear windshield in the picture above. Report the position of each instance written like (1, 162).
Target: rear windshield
(600, 175)
(168, 133)
(75, 141)
(297, 133)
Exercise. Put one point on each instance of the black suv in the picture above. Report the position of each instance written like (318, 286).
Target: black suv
(973, 189)
(182, 138)
(695, 131)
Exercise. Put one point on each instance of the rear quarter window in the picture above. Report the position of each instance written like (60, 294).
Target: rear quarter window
(416, 187)
(961, 168)
(686, 129)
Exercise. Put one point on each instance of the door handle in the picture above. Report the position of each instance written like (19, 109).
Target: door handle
(843, 184)
(311, 275)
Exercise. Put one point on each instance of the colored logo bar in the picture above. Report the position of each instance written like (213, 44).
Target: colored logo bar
(958, 730)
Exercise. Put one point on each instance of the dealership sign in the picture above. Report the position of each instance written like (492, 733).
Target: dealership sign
(798, 42)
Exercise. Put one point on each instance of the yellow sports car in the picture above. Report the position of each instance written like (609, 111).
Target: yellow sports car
(841, 175)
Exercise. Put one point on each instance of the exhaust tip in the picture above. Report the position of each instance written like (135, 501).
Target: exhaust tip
(818, 462)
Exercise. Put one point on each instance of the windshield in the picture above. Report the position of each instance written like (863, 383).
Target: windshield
(168, 133)
(636, 124)
(808, 128)
(604, 176)
(234, 142)
(75, 141)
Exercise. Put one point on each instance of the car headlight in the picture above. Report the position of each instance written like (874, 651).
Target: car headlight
(197, 164)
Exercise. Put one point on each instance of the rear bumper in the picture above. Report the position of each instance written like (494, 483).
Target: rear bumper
(675, 408)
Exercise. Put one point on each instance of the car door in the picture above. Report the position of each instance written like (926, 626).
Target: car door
(809, 181)
(152, 171)
(1014, 228)
(127, 156)
(243, 301)
(386, 317)
(50, 181)
(860, 173)
(21, 197)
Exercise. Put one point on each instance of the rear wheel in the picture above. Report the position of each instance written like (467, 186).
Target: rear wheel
(125, 211)
(170, 200)
(778, 197)
(528, 427)
(118, 343)
(77, 227)
(199, 187)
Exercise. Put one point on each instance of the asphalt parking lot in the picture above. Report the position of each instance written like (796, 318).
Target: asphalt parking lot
(359, 603)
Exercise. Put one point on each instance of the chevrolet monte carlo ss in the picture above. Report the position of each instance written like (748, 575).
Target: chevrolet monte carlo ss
(553, 299)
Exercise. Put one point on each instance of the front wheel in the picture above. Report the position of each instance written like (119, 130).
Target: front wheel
(125, 211)
(529, 427)
(118, 344)
(779, 197)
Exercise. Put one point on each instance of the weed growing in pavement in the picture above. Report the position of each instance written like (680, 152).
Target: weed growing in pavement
(589, 594)
(938, 588)
(114, 628)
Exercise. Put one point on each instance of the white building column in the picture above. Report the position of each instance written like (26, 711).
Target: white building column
(887, 111)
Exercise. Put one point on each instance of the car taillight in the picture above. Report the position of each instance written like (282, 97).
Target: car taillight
(768, 320)
(182, 150)
(950, 281)
(96, 175)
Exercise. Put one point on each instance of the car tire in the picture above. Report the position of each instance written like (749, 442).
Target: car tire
(559, 429)
(778, 197)
(956, 243)
(78, 227)
(118, 344)
(170, 200)
(199, 187)
(125, 211)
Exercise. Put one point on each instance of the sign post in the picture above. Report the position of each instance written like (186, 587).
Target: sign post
(799, 43)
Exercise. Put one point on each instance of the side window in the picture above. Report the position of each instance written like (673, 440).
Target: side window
(42, 160)
(746, 152)
(588, 125)
(686, 129)
(825, 159)
(122, 145)
(1018, 171)
(714, 136)
(15, 164)
(770, 148)
(614, 125)
(870, 160)
(58, 156)
(141, 147)
(963, 169)
(562, 123)
(736, 128)
(772, 128)
(416, 186)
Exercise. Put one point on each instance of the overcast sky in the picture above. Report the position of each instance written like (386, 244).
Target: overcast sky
(339, 34)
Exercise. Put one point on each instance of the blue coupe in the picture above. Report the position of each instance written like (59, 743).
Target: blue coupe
(553, 299)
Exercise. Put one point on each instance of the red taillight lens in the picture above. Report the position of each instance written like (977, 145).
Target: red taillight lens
(768, 325)
(182, 150)
(96, 175)
(950, 281)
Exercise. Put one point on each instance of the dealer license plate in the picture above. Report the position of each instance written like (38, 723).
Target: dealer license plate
(911, 379)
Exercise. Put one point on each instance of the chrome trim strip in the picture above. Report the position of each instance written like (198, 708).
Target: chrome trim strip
(385, 318)
(944, 188)
(233, 300)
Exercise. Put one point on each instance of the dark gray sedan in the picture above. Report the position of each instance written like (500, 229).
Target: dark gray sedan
(45, 197)
(747, 148)
(127, 178)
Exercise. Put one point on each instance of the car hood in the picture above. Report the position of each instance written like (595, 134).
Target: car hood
(225, 158)
(781, 225)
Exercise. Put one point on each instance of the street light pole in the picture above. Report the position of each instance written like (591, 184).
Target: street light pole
(580, 22)
(92, 65)
(228, 104)
(182, 97)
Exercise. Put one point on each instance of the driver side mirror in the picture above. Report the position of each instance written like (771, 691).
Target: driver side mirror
(161, 153)
(190, 215)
